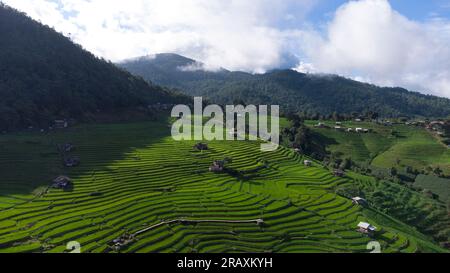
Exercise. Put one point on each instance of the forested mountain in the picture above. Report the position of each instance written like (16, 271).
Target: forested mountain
(44, 76)
(294, 91)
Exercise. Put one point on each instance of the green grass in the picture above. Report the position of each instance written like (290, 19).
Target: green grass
(439, 186)
(415, 148)
(410, 146)
(145, 177)
(414, 208)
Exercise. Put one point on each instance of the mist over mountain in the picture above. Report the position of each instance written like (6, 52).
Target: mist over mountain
(292, 90)
(177, 71)
(45, 76)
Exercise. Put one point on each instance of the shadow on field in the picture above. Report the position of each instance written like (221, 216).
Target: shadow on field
(29, 161)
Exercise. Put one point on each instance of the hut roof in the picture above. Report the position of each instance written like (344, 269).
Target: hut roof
(366, 226)
(62, 178)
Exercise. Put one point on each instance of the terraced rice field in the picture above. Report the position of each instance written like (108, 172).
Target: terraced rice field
(141, 177)
(411, 146)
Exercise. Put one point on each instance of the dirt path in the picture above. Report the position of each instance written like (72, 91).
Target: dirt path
(187, 221)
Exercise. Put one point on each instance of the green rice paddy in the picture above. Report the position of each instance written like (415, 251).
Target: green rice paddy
(141, 177)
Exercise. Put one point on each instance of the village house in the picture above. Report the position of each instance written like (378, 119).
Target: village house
(338, 173)
(71, 161)
(359, 201)
(338, 128)
(217, 166)
(122, 241)
(436, 122)
(62, 182)
(66, 148)
(307, 163)
(201, 146)
(321, 125)
(61, 124)
(362, 130)
(350, 130)
(366, 228)
(435, 125)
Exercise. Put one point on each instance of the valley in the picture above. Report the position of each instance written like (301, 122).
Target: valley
(134, 175)
(89, 162)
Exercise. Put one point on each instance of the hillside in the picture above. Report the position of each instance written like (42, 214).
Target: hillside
(135, 177)
(294, 91)
(44, 76)
(439, 186)
(399, 146)
(116, 181)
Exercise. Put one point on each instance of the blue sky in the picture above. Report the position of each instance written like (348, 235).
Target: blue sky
(385, 42)
(422, 9)
(414, 9)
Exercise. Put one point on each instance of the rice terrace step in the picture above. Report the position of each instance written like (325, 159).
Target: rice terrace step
(224, 136)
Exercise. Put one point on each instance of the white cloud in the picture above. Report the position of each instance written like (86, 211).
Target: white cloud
(369, 40)
(303, 67)
(364, 39)
(233, 34)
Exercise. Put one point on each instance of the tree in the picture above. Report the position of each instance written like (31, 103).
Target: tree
(345, 164)
(239, 102)
(375, 116)
(296, 120)
(349, 191)
(56, 79)
(393, 172)
(228, 160)
(446, 128)
(437, 171)
(410, 170)
(336, 116)
(303, 139)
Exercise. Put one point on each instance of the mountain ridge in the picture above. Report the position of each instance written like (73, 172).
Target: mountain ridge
(293, 90)
(45, 76)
